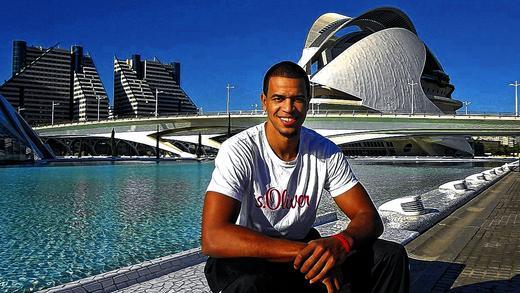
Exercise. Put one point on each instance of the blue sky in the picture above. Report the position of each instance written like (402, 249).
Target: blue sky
(477, 42)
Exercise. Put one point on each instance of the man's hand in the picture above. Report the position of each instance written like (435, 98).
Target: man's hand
(319, 257)
(334, 280)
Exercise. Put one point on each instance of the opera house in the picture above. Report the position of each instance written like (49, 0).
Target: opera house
(374, 62)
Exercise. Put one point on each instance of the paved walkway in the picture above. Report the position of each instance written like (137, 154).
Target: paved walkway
(476, 249)
(190, 279)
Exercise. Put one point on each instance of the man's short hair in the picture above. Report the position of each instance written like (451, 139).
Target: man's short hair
(286, 69)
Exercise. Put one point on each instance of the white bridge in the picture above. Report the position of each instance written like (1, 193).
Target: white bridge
(176, 133)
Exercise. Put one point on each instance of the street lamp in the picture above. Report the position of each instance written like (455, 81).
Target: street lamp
(516, 84)
(157, 92)
(412, 84)
(312, 95)
(229, 88)
(466, 104)
(52, 112)
(20, 110)
(140, 82)
(98, 98)
(312, 90)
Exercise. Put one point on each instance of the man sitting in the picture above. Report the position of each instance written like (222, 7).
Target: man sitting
(262, 201)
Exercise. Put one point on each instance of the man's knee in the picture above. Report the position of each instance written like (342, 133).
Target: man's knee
(384, 268)
(389, 251)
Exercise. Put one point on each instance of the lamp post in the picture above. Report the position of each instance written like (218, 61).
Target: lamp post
(229, 88)
(98, 98)
(157, 92)
(140, 82)
(466, 104)
(412, 84)
(312, 90)
(312, 95)
(52, 112)
(20, 109)
(516, 84)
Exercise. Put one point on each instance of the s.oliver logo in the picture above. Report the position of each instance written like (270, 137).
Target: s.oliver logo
(273, 199)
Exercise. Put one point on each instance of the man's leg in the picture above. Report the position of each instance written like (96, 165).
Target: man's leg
(233, 275)
(238, 275)
(380, 267)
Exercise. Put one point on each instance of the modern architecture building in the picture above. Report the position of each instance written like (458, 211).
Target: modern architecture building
(374, 62)
(51, 85)
(18, 142)
(149, 88)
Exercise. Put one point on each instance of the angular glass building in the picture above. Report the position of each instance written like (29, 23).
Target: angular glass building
(52, 85)
(142, 86)
(18, 142)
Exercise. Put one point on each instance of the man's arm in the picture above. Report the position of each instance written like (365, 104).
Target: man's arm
(365, 223)
(320, 256)
(221, 237)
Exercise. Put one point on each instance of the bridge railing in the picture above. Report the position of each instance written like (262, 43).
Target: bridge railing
(310, 113)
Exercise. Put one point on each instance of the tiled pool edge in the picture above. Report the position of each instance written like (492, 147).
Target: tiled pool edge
(147, 270)
(127, 276)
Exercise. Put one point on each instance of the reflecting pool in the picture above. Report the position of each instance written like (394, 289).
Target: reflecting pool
(63, 223)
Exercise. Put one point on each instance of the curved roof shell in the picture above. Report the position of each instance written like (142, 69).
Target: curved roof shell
(375, 63)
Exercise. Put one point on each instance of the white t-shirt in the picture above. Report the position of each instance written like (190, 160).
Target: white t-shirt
(279, 198)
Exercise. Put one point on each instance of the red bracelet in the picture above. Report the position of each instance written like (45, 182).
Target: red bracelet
(343, 240)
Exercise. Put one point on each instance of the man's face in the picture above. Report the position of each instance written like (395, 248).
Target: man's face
(286, 105)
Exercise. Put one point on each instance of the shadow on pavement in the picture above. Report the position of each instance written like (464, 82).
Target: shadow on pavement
(498, 286)
(439, 276)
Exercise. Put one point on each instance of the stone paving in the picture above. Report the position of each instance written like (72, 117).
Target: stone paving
(477, 249)
(190, 279)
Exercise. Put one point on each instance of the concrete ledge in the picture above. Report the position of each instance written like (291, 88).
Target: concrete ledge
(437, 206)
(127, 276)
(147, 270)
(399, 235)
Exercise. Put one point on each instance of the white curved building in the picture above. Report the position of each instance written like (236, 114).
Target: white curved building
(374, 62)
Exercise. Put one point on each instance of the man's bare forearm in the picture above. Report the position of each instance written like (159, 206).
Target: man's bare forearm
(365, 223)
(237, 241)
(365, 227)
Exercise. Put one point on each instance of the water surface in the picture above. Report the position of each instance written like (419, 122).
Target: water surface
(63, 223)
